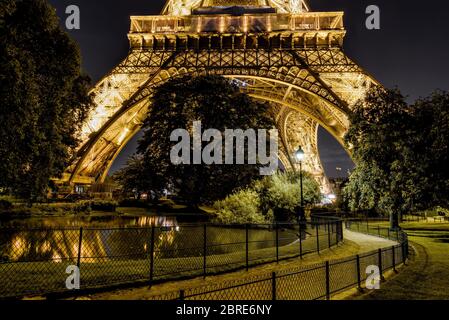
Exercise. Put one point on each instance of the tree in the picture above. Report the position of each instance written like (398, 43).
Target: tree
(379, 127)
(135, 178)
(218, 104)
(401, 152)
(427, 153)
(43, 97)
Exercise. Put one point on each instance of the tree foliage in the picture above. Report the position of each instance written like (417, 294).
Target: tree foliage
(401, 153)
(43, 97)
(136, 178)
(273, 198)
(218, 104)
(280, 194)
(429, 151)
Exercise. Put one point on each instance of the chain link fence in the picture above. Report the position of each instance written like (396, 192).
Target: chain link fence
(35, 261)
(314, 282)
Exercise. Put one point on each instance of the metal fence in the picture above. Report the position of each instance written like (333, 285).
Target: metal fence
(35, 261)
(408, 218)
(314, 282)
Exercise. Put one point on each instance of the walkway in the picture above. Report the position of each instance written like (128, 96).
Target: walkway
(427, 276)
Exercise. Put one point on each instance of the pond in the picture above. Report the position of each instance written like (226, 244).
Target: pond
(100, 221)
(121, 237)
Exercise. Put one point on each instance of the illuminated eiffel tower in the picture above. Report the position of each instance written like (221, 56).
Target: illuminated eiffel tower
(278, 50)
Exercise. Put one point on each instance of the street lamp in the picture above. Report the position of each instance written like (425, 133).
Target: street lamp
(299, 155)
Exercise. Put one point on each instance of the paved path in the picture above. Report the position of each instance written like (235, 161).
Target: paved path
(367, 243)
(427, 275)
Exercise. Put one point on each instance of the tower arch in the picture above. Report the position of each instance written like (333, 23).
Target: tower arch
(293, 60)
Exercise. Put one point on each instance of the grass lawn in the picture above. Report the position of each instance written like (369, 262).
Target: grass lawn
(427, 276)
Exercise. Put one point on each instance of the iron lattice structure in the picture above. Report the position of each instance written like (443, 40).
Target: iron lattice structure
(277, 50)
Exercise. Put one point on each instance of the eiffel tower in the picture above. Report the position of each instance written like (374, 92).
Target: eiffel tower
(279, 51)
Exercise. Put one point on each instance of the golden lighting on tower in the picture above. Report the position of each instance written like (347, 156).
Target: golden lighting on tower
(185, 7)
(277, 50)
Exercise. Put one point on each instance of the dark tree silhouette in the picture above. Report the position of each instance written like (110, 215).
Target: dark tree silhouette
(43, 97)
(401, 152)
(218, 104)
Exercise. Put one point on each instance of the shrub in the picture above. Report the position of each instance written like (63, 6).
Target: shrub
(240, 207)
(82, 207)
(274, 197)
(280, 194)
(62, 208)
(103, 205)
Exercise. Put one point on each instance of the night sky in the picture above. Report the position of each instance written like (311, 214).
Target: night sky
(410, 51)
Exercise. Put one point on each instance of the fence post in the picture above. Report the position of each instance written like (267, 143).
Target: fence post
(403, 252)
(317, 239)
(359, 279)
(340, 236)
(337, 227)
(80, 247)
(277, 242)
(300, 239)
(380, 264)
(247, 247)
(329, 234)
(394, 258)
(181, 295)
(152, 254)
(273, 286)
(328, 290)
(205, 250)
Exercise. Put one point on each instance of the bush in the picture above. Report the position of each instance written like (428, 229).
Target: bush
(275, 197)
(280, 194)
(102, 205)
(62, 208)
(240, 207)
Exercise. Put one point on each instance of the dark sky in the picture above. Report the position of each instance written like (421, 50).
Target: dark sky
(410, 51)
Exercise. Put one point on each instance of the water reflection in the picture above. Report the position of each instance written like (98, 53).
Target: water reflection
(122, 238)
(58, 239)
(91, 221)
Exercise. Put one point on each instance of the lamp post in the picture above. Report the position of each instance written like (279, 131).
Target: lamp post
(299, 155)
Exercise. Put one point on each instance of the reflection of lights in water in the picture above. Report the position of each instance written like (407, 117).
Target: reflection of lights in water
(56, 258)
(98, 244)
(18, 248)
